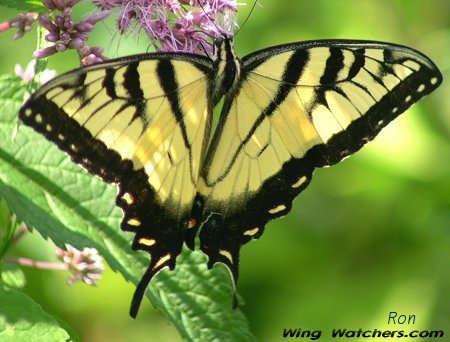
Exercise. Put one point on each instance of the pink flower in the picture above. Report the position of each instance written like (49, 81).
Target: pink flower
(28, 74)
(85, 265)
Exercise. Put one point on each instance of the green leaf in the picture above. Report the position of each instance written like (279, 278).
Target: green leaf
(25, 5)
(8, 225)
(11, 88)
(69, 206)
(12, 275)
(5, 234)
(21, 319)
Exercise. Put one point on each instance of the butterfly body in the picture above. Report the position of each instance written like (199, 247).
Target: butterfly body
(143, 122)
(226, 67)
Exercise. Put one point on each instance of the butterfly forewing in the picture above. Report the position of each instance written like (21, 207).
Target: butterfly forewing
(298, 107)
(141, 122)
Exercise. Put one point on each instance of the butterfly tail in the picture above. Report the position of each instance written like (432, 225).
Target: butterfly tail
(156, 265)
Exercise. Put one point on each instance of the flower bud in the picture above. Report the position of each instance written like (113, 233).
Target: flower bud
(67, 12)
(84, 27)
(85, 50)
(97, 50)
(45, 21)
(59, 4)
(19, 34)
(60, 47)
(81, 35)
(65, 36)
(45, 52)
(59, 20)
(52, 37)
(69, 24)
(94, 18)
(75, 43)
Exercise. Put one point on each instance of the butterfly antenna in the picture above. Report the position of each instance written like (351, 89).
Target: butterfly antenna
(248, 16)
(201, 41)
(204, 49)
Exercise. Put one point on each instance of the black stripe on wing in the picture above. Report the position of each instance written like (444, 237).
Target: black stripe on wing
(335, 63)
(109, 83)
(168, 82)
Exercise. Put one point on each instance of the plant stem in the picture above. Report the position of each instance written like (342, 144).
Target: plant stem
(37, 264)
(22, 231)
(5, 26)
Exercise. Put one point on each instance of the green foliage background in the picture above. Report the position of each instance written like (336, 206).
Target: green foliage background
(369, 236)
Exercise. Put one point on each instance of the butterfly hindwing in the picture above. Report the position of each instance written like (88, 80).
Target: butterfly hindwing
(143, 123)
(297, 107)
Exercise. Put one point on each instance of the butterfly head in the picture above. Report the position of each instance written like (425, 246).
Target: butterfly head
(223, 47)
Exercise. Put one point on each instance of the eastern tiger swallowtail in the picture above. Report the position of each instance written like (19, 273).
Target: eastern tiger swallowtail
(143, 122)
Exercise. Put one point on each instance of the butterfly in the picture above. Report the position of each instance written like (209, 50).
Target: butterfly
(143, 122)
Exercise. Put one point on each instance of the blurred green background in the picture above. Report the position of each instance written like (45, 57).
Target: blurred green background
(369, 236)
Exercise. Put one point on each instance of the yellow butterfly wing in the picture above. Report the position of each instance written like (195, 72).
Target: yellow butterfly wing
(297, 107)
(143, 123)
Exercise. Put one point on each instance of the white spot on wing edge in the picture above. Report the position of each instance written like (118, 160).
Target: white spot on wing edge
(162, 260)
(251, 232)
(434, 80)
(134, 222)
(277, 209)
(421, 88)
(226, 254)
(147, 242)
(28, 112)
(128, 198)
(299, 182)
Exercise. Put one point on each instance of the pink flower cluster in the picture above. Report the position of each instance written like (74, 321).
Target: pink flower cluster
(65, 34)
(85, 265)
(171, 25)
(176, 25)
